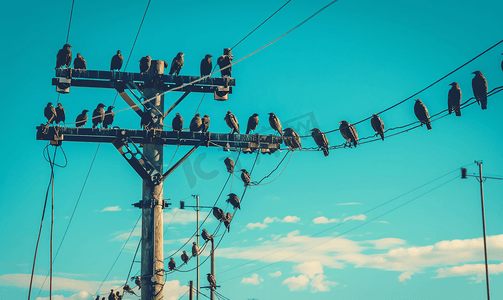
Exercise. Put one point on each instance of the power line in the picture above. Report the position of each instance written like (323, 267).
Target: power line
(70, 22)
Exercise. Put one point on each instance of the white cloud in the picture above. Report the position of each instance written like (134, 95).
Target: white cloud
(320, 284)
(357, 217)
(296, 283)
(275, 274)
(325, 220)
(469, 269)
(182, 216)
(254, 279)
(290, 219)
(173, 291)
(269, 220)
(111, 208)
(405, 275)
(82, 295)
(310, 269)
(349, 203)
(256, 225)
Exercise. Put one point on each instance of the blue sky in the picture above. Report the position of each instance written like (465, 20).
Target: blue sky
(353, 59)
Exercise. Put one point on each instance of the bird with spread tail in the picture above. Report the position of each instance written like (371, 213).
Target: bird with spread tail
(349, 133)
(479, 86)
(321, 140)
(377, 125)
(454, 99)
(421, 113)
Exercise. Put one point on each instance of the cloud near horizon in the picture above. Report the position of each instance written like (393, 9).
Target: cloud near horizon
(269, 220)
(111, 208)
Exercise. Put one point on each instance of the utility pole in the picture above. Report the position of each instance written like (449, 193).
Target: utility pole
(212, 293)
(148, 164)
(480, 179)
(191, 287)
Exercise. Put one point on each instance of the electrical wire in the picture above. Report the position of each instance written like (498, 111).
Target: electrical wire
(69, 24)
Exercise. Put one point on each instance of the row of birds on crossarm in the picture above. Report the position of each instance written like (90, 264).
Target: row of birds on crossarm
(64, 58)
(57, 115)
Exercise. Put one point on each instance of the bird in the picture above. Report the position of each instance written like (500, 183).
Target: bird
(146, 119)
(176, 64)
(252, 123)
(229, 163)
(195, 123)
(81, 119)
(421, 113)
(185, 257)
(206, 123)
(50, 113)
(116, 63)
(177, 123)
(377, 125)
(206, 65)
(292, 139)
(79, 62)
(233, 200)
(137, 281)
(171, 264)
(227, 221)
(60, 114)
(206, 236)
(454, 99)
(195, 249)
(224, 61)
(145, 63)
(275, 123)
(479, 86)
(109, 117)
(349, 133)
(232, 122)
(320, 139)
(245, 176)
(64, 56)
(211, 280)
(98, 115)
(128, 290)
(218, 213)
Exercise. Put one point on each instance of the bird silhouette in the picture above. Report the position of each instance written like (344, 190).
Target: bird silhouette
(81, 119)
(98, 115)
(185, 257)
(421, 113)
(291, 138)
(479, 86)
(137, 281)
(109, 117)
(195, 123)
(60, 114)
(233, 200)
(195, 249)
(275, 123)
(232, 122)
(50, 113)
(454, 99)
(321, 140)
(64, 56)
(128, 290)
(349, 133)
(177, 122)
(176, 64)
(245, 176)
(206, 236)
(218, 213)
(211, 281)
(377, 125)
(116, 63)
(229, 163)
(206, 123)
(227, 221)
(79, 62)
(252, 123)
(224, 61)
(206, 65)
(145, 63)
(171, 264)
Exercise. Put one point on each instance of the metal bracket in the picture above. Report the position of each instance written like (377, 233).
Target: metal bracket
(136, 159)
(151, 203)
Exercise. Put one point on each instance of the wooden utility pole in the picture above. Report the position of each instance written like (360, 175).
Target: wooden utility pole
(197, 243)
(212, 294)
(191, 287)
(481, 180)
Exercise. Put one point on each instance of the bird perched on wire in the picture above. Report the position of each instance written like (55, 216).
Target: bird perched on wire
(245, 176)
(349, 133)
(176, 64)
(128, 290)
(218, 213)
(137, 281)
(232, 122)
(60, 114)
(291, 138)
(454, 99)
(81, 119)
(206, 123)
(229, 164)
(195, 123)
(275, 123)
(98, 115)
(233, 200)
(479, 86)
(146, 119)
(64, 56)
(377, 125)
(212, 282)
(79, 62)
(227, 221)
(252, 123)
(224, 61)
(421, 113)
(206, 236)
(195, 249)
(177, 123)
(206, 65)
(50, 113)
(321, 140)
(116, 63)
(109, 117)
(171, 264)
(185, 257)
(145, 63)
